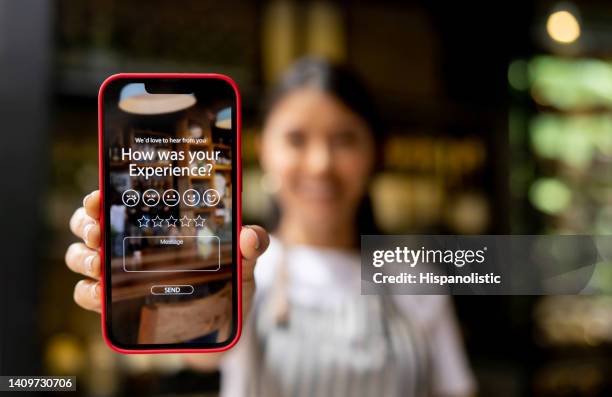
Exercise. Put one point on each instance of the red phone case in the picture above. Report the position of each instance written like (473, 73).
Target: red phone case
(238, 221)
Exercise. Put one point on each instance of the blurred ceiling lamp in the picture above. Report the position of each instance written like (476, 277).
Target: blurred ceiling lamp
(563, 27)
(224, 119)
(135, 99)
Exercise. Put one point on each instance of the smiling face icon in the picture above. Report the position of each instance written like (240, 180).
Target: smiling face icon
(150, 197)
(130, 197)
(211, 197)
(191, 197)
(171, 197)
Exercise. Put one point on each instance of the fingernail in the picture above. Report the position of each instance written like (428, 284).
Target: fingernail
(89, 264)
(256, 236)
(86, 231)
(85, 200)
(95, 291)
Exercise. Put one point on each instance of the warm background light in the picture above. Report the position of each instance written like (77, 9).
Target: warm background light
(562, 26)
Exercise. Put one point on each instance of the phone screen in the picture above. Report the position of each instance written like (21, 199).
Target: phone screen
(170, 207)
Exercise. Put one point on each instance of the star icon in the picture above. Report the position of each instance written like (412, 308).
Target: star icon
(171, 221)
(199, 221)
(157, 221)
(143, 222)
(185, 221)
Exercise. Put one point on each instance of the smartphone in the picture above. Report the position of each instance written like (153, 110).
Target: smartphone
(170, 182)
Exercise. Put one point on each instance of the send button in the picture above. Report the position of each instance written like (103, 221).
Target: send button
(172, 289)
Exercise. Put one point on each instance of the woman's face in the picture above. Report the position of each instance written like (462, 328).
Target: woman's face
(319, 154)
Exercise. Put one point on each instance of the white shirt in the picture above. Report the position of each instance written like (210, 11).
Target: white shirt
(324, 277)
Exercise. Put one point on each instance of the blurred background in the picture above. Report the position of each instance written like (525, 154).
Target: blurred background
(500, 121)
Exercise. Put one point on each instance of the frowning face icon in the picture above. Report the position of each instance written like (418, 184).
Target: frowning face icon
(171, 197)
(130, 197)
(150, 197)
(191, 197)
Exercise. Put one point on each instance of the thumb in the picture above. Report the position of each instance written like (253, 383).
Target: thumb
(254, 241)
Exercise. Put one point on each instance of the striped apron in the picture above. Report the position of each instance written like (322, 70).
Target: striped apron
(362, 347)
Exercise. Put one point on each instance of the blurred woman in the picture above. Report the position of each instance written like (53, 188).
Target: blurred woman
(310, 331)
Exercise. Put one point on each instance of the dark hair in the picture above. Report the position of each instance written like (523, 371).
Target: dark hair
(342, 83)
(337, 80)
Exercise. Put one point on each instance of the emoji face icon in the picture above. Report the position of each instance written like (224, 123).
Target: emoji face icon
(171, 197)
(211, 197)
(191, 197)
(150, 197)
(130, 197)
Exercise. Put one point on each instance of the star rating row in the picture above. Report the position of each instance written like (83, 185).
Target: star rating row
(171, 221)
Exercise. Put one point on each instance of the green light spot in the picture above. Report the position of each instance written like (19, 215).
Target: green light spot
(550, 195)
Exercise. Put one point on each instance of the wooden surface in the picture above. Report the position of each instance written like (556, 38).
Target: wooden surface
(183, 321)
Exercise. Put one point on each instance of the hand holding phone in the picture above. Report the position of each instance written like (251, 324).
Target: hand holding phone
(169, 213)
(83, 257)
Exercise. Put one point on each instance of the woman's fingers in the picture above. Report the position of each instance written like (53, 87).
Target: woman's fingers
(254, 240)
(91, 235)
(82, 259)
(78, 220)
(91, 203)
(85, 227)
(84, 222)
(87, 295)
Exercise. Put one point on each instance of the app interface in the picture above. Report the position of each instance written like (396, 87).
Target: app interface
(169, 181)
